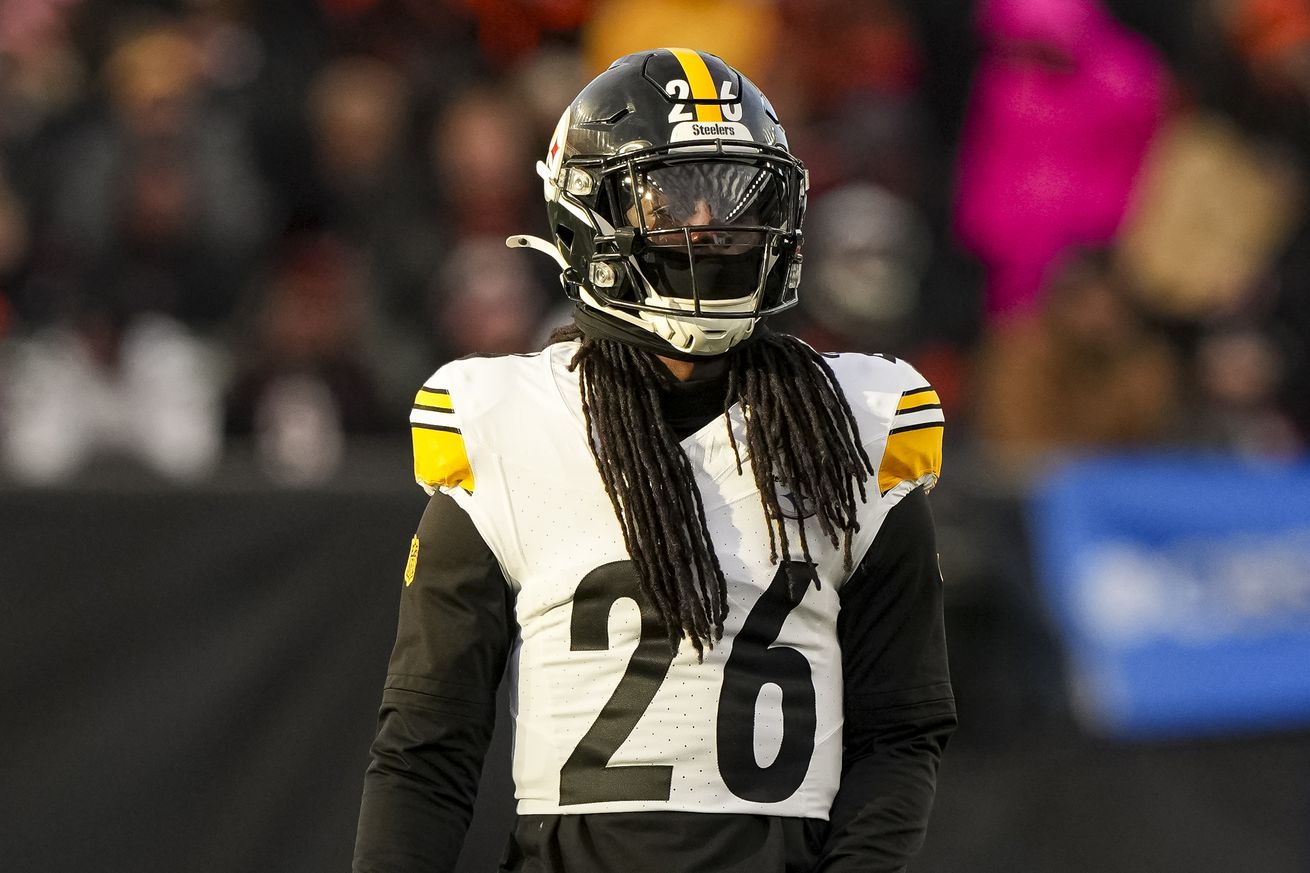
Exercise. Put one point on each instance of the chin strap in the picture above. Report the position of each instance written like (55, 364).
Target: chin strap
(523, 241)
(599, 325)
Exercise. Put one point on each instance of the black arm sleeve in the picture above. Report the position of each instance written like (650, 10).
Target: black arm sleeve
(438, 706)
(899, 707)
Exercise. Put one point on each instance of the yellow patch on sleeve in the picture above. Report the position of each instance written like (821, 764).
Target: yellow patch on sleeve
(911, 454)
(412, 564)
(440, 459)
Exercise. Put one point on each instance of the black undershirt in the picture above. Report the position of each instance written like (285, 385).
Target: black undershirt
(455, 632)
(690, 405)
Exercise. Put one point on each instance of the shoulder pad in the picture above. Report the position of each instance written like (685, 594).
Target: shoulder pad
(914, 440)
(892, 396)
(440, 458)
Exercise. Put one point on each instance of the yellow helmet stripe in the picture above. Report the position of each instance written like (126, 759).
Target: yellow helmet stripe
(701, 82)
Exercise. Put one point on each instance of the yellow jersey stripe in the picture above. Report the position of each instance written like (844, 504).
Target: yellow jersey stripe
(701, 82)
(912, 452)
(440, 459)
(919, 397)
(433, 398)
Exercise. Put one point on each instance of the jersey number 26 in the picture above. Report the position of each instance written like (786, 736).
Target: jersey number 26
(755, 662)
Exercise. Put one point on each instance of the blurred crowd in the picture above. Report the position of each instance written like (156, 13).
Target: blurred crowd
(221, 220)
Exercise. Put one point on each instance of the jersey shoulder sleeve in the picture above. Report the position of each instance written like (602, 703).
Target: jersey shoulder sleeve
(441, 460)
(462, 413)
(895, 406)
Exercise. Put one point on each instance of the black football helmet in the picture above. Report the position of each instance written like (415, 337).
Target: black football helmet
(674, 202)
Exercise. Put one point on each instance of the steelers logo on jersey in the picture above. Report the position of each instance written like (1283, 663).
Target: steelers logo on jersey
(793, 504)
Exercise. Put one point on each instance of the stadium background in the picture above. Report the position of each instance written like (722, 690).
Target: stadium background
(236, 235)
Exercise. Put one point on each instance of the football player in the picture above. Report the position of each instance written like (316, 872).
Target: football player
(703, 549)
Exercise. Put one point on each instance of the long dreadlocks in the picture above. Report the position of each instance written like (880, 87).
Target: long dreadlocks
(801, 436)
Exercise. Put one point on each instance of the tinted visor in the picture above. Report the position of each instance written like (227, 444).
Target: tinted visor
(708, 226)
(719, 194)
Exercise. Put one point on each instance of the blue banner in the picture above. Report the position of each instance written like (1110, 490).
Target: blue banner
(1181, 587)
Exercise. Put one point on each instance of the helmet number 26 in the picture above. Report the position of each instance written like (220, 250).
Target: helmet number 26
(586, 776)
(680, 91)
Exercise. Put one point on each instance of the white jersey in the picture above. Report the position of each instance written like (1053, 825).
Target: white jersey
(607, 719)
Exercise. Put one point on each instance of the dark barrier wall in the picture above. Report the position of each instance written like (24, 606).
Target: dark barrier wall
(190, 681)
(196, 675)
